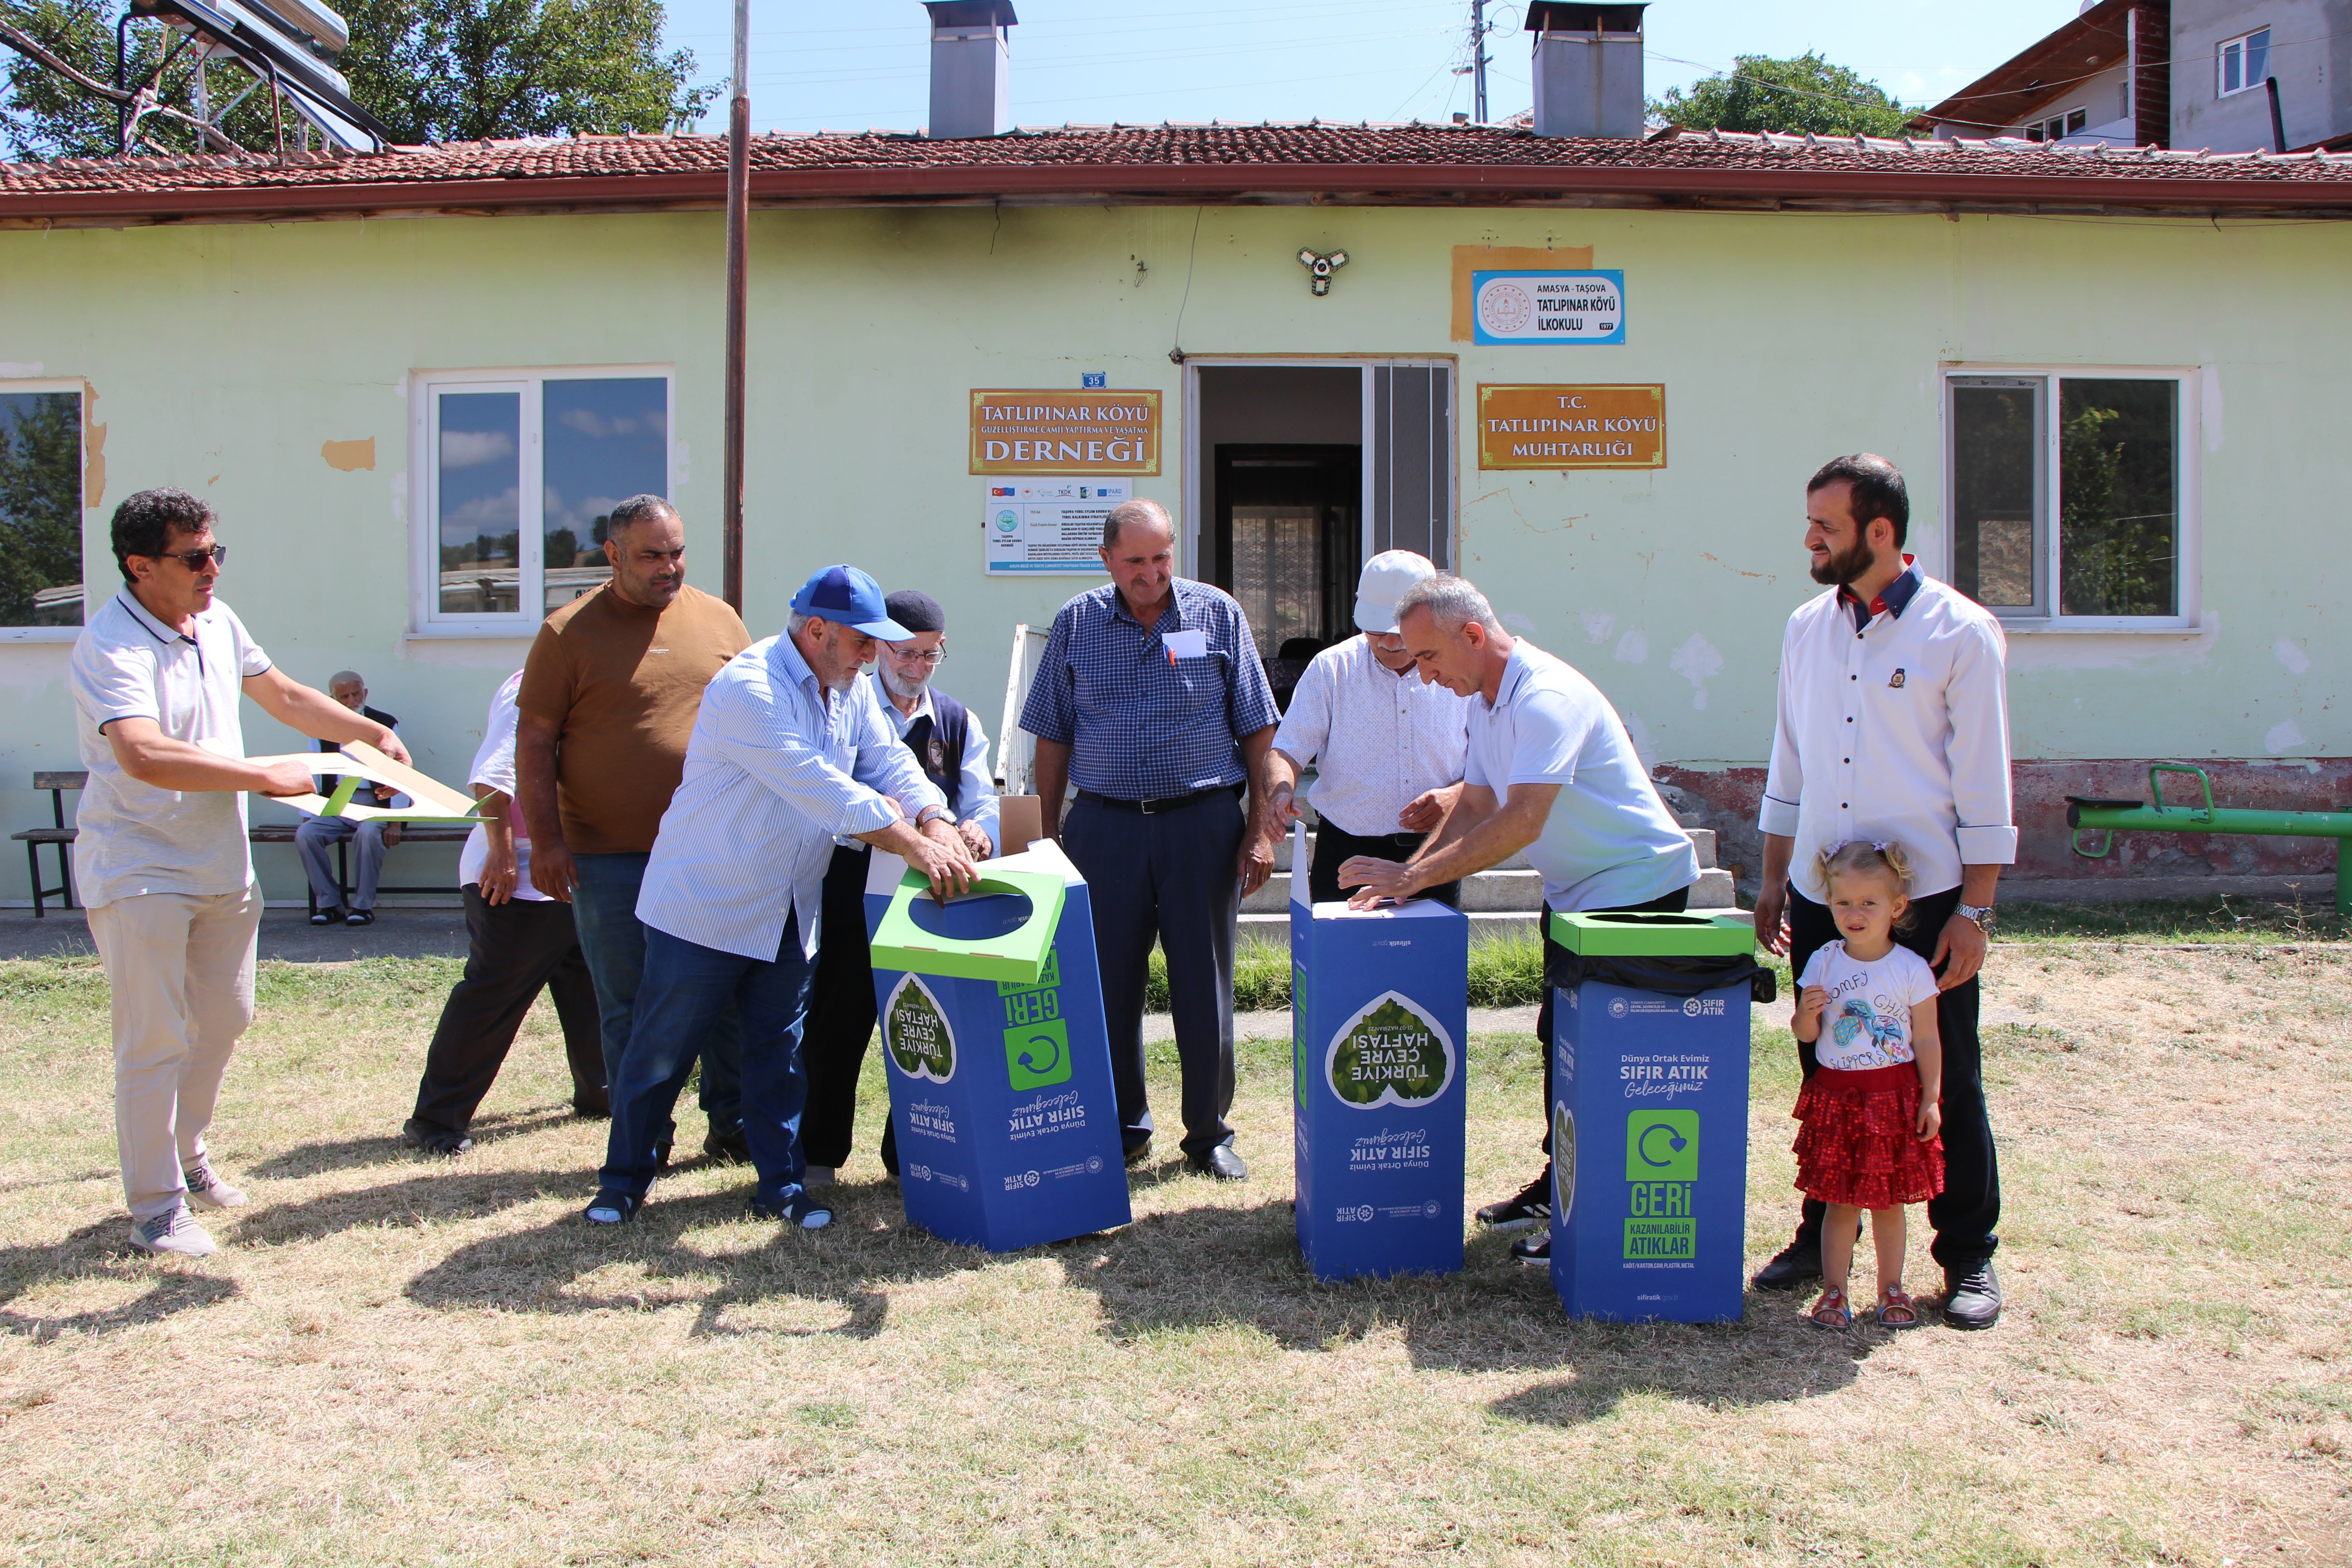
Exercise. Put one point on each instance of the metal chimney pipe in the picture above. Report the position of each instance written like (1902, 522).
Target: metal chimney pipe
(1588, 68)
(971, 69)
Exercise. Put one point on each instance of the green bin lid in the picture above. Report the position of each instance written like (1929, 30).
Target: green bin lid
(1018, 954)
(1633, 934)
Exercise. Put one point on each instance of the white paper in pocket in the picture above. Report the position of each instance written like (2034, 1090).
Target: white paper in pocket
(1185, 644)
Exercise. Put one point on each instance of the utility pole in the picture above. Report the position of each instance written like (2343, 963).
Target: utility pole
(1479, 60)
(739, 212)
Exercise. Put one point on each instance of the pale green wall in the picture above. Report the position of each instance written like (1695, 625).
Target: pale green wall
(224, 355)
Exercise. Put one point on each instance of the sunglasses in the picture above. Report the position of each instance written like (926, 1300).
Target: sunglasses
(193, 560)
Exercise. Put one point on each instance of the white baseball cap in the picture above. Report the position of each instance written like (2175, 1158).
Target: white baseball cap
(1386, 578)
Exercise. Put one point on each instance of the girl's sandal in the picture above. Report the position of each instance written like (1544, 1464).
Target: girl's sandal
(1831, 1312)
(1896, 1309)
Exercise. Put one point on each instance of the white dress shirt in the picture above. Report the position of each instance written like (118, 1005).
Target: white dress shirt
(137, 837)
(774, 771)
(1896, 733)
(494, 768)
(1608, 842)
(1377, 738)
(979, 790)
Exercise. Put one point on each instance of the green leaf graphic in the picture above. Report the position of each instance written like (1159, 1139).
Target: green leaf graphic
(1393, 1054)
(916, 1030)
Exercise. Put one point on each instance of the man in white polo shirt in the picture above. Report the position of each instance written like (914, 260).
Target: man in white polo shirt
(1550, 771)
(1894, 727)
(1386, 745)
(162, 861)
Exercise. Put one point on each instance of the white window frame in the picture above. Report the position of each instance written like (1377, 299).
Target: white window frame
(2038, 129)
(426, 619)
(80, 389)
(2188, 421)
(2247, 80)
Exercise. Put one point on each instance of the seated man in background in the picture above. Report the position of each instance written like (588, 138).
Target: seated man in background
(316, 840)
(518, 940)
(951, 749)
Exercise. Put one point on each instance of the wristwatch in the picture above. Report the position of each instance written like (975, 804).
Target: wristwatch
(1979, 915)
(931, 814)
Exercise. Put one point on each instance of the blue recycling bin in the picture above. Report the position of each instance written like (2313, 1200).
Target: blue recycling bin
(1649, 1118)
(1380, 1020)
(1000, 1074)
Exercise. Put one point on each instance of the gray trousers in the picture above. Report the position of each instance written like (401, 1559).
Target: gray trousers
(315, 841)
(1171, 875)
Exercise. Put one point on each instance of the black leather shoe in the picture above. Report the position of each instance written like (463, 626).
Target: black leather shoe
(727, 1148)
(1792, 1267)
(1536, 1248)
(1139, 1153)
(1220, 1162)
(1972, 1295)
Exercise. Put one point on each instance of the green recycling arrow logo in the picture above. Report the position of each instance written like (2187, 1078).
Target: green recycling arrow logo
(1391, 1053)
(915, 1029)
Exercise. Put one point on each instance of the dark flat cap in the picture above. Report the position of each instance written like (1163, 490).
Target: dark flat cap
(917, 612)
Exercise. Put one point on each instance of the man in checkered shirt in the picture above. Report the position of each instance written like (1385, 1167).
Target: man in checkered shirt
(1151, 699)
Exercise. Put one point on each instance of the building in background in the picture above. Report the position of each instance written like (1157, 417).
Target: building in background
(1590, 372)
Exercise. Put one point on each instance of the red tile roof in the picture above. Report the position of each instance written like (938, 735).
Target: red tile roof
(1441, 165)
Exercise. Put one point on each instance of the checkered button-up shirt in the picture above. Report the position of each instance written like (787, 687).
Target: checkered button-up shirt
(1141, 725)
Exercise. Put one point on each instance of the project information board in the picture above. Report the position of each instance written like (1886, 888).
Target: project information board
(1048, 527)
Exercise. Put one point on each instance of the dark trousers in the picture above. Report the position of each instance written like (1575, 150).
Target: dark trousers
(604, 908)
(1335, 846)
(1170, 875)
(685, 988)
(1967, 1213)
(512, 951)
(1672, 903)
(841, 1020)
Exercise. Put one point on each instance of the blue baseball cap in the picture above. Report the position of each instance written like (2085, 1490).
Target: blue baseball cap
(849, 598)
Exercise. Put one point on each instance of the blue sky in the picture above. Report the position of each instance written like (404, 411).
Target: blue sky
(1092, 62)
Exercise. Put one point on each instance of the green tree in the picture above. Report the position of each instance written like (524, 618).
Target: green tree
(1808, 93)
(452, 70)
(40, 498)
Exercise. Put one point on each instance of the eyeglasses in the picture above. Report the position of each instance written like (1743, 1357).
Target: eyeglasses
(929, 655)
(193, 560)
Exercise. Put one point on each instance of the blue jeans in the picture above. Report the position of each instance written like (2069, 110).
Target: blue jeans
(604, 908)
(686, 987)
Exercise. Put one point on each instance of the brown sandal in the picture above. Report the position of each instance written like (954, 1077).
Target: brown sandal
(1830, 1311)
(1896, 1309)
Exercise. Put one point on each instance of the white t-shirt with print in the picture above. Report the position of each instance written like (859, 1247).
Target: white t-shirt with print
(1867, 1022)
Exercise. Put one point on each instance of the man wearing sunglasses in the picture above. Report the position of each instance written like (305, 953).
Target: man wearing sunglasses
(951, 750)
(162, 860)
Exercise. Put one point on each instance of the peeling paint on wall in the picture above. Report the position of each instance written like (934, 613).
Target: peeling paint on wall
(2290, 654)
(2283, 737)
(1597, 625)
(93, 448)
(1697, 662)
(1633, 648)
(350, 456)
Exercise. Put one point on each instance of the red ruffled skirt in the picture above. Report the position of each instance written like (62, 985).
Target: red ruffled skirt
(1857, 1142)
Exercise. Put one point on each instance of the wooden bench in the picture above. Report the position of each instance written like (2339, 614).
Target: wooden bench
(410, 833)
(60, 837)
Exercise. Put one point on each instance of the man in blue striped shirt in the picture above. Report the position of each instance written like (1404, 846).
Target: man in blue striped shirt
(1151, 699)
(789, 748)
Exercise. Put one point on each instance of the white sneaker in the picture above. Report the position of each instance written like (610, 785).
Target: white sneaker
(204, 1186)
(817, 1176)
(174, 1231)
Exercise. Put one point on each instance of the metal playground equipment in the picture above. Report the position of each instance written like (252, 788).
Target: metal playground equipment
(2152, 816)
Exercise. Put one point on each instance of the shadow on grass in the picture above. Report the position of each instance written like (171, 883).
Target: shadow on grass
(673, 1254)
(100, 1251)
(1770, 1357)
(355, 1153)
(449, 1195)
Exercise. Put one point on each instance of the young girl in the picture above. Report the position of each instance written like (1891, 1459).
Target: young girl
(1869, 1117)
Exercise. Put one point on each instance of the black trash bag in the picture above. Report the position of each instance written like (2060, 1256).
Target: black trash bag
(1690, 976)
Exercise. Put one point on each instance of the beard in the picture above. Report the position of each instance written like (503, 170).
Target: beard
(1841, 569)
(897, 685)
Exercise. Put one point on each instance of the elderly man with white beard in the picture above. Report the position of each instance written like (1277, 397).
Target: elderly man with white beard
(951, 749)
(790, 752)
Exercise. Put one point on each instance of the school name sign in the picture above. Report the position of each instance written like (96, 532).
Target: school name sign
(1618, 427)
(1052, 432)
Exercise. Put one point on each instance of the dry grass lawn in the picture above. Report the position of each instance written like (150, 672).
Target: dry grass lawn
(399, 1359)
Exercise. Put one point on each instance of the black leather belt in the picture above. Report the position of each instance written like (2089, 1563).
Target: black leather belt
(1165, 803)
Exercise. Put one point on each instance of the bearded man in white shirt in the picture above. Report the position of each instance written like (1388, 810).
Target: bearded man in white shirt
(1894, 727)
(1387, 746)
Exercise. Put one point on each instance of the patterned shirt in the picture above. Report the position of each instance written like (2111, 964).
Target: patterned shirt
(1140, 723)
(774, 770)
(1377, 738)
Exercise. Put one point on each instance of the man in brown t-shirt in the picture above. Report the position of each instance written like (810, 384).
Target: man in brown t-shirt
(608, 700)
